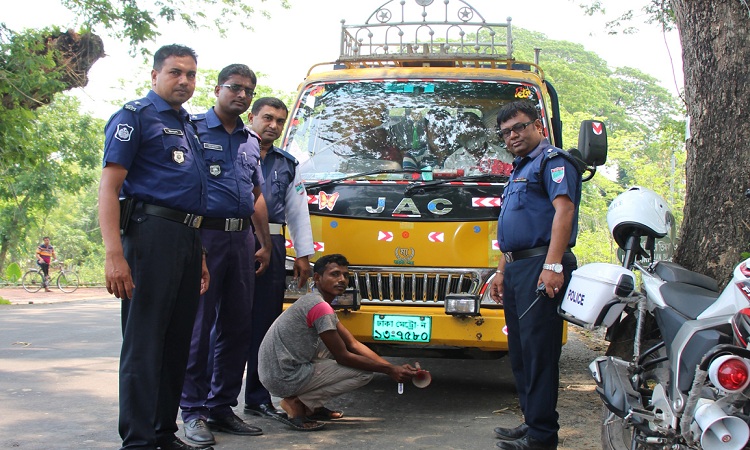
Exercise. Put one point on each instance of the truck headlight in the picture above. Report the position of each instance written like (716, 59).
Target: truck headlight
(462, 305)
(348, 300)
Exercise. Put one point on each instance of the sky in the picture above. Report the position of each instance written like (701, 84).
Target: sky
(286, 46)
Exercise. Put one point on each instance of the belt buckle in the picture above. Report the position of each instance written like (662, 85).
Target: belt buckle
(508, 257)
(193, 220)
(233, 224)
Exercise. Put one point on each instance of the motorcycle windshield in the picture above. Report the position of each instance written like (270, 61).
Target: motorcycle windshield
(402, 129)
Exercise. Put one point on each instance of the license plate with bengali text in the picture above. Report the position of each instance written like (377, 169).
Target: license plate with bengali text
(387, 327)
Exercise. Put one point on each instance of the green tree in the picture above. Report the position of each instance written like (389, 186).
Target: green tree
(61, 152)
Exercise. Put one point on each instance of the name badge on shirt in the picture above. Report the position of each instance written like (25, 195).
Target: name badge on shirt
(173, 132)
(216, 147)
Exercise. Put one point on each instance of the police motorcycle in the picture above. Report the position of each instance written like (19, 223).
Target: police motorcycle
(677, 371)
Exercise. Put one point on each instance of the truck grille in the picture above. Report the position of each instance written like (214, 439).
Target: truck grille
(413, 287)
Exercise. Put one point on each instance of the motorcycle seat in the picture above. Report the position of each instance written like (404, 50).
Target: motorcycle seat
(673, 272)
(687, 299)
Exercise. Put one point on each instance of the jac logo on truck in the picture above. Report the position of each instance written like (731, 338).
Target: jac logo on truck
(407, 208)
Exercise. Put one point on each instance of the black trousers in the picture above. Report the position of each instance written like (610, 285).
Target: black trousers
(535, 343)
(165, 262)
(267, 306)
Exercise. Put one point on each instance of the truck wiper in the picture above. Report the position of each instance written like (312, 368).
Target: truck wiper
(489, 177)
(320, 184)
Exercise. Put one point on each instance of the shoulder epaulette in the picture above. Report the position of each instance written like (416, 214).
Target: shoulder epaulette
(553, 152)
(252, 133)
(288, 156)
(195, 117)
(137, 105)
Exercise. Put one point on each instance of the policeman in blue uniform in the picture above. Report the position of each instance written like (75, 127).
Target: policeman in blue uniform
(537, 226)
(286, 199)
(216, 365)
(153, 159)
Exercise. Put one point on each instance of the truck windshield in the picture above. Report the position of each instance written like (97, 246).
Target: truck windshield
(394, 127)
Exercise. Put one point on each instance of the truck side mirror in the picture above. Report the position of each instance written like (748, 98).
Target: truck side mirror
(592, 142)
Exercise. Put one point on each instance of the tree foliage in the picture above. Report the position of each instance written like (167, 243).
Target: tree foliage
(138, 21)
(48, 151)
(61, 152)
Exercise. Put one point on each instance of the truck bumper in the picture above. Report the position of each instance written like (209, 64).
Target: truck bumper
(486, 332)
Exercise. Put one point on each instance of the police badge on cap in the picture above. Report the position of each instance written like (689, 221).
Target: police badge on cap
(123, 132)
(178, 156)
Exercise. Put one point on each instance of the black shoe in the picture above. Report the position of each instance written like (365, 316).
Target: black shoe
(264, 410)
(233, 425)
(179, 445)
(197, 432)
(526, 443)
(511, 434)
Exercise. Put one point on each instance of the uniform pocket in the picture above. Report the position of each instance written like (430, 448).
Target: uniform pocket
(516, 194)
(177, 149)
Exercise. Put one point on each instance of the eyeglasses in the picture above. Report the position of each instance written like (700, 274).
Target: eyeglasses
(517, 128)
(236, 88)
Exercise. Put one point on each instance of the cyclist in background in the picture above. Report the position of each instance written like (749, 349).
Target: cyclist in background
(45, 253)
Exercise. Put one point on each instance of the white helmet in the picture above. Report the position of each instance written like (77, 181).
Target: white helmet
(639, 211)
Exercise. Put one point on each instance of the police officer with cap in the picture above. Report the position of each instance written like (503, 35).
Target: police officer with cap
(222, 331)
(286, 199)
(537, 226)
(154, 263)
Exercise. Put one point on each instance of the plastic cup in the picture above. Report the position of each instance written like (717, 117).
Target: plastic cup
(422, 379)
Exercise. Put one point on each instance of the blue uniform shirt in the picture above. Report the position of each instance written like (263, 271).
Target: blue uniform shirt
(278, 171)
(526, 214)
(233, 163)
(159, 147)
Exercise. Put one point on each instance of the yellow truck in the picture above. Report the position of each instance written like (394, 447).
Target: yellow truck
(404, 171)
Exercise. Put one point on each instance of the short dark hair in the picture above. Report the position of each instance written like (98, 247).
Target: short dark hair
(172, 50)
(45, 237)
(237, 69)
(436, 117)
(323, 261)
(512, 109)
(273, 102)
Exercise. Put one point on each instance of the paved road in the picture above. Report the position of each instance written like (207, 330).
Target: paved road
(58, 390)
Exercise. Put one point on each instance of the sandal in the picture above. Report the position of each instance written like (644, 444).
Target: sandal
(324, 413)
(301, 424)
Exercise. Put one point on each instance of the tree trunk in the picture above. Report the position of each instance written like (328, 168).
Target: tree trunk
(716, 56)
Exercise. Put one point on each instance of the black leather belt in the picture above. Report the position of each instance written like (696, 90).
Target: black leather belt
(191, 220)
(529, 253)
(228, 224)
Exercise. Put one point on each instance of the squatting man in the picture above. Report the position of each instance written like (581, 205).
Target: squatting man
(308, 357)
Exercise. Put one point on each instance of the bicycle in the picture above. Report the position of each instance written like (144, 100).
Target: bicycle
(67, 280)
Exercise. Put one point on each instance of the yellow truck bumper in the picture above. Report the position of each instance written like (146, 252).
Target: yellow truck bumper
(486, 332)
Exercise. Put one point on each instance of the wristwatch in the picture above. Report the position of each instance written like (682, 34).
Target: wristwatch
(557, 268)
